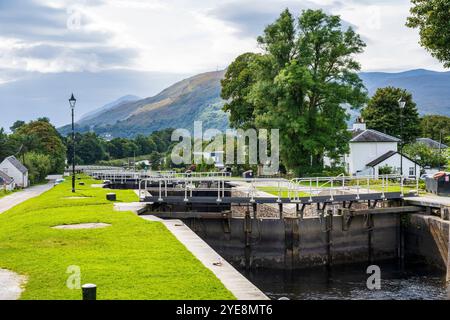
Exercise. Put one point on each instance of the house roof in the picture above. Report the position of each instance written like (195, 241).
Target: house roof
(4, 178)
(16, 163)
(431, 143)
(371, 135)
(384, 157)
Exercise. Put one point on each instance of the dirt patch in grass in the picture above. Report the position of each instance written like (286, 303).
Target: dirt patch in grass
(82, 226)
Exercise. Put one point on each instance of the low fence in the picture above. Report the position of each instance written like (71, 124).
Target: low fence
(279, 190)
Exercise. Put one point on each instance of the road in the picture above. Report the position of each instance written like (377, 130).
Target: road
(18, 197)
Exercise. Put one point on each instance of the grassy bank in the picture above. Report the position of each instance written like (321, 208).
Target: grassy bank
(131, 259)
(4, 193)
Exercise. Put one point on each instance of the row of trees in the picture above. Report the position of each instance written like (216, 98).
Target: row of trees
(91, 149)
(39, 146)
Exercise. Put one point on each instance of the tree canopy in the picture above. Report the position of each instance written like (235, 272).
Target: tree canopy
(426, 156)
(41, 136)
(38, 145)
(383, 113)
(91, 148)
(432, 18)
(436, 127)
(299, 84)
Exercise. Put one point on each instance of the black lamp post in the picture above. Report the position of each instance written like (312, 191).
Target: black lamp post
(402, 104)
(72, 102)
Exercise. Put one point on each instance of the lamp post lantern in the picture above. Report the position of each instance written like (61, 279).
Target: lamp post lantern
(72, 102)
(402, 104)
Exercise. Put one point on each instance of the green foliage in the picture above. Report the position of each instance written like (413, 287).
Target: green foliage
(4, 193)
(425, 156)
(5, 148)
(39, 166)
(91, 149)
(236, 87)
(436, 127)
(432, 18)
(133, 259)
(40, 136)
(448, 157)
(16, 125)
(38, 145)
(386, 170)
(383, 113)
(299, 84)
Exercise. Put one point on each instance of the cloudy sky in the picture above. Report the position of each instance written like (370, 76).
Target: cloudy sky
(181, 36)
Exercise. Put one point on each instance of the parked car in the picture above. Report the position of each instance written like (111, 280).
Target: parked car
(59, 181)
(425, 176)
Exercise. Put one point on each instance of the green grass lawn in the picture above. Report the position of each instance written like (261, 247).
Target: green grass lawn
(284, 192)
(374, 187)
(131, 259)
(4, 193)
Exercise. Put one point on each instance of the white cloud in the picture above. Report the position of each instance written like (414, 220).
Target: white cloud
(186, 36)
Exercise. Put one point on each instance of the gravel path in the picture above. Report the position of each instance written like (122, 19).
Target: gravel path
(16, 198)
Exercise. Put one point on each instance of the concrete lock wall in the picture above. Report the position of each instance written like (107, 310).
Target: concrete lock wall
(427, 239)
(293, 243)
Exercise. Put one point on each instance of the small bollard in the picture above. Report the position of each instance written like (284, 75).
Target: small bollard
(111, 196)
(89, 291)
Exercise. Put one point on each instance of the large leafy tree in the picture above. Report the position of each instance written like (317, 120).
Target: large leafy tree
(436, 127)
(236, 87)
(42, 137)
(16, 125)
(4, 145)
(432, 18)
(300, 84)
(383, 113)
(425, 155)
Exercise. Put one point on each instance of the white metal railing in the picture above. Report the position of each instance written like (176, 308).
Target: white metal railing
(296, 190)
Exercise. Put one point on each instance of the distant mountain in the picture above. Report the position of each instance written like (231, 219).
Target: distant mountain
(37, 95)
(193, 99)
(93, 114)
(198, 98)
(430, 89)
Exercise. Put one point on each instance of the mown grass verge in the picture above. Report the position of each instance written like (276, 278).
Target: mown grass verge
(131, 259)
(4, 193)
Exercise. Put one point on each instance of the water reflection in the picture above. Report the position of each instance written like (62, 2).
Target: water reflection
(412, 282)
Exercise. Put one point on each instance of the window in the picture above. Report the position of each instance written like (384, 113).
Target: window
(412, 171)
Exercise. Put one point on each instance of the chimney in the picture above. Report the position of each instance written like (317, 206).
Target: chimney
(359, 124)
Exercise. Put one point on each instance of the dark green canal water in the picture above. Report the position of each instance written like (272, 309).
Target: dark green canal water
(410, 282)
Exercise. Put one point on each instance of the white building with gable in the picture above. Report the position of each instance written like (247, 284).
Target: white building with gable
(16, 170)
(371, 150)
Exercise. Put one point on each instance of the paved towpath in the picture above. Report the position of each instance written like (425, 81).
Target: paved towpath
(18, 197)
(229, 276)
(429, 200)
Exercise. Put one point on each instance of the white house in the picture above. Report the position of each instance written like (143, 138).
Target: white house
(214, 157)
(6, 182)
(371, 150)
(16, 170)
